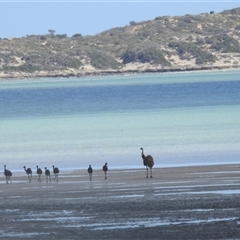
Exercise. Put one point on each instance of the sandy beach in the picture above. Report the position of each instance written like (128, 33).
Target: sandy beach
(199, 202)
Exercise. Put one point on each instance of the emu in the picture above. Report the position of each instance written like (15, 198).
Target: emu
(48, 176)
(29, 173)
(105, 169)
(56, 172)
(148, 162)
(90, 171)
(39, 172)
(7, 174)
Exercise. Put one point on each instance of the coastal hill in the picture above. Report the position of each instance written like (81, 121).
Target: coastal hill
(163, 44)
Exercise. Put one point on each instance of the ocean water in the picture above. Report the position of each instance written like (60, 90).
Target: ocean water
(178, 118)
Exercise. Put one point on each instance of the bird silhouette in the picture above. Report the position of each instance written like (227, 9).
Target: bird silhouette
(48, 175)
(56, 172)
(29, 173)
(39, 172)
(90, 171)
(105, 169)
(148, 162)
(7, 174)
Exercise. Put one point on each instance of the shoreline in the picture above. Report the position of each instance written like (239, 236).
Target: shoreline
(190, 203)
(137, 170)
(79, 74)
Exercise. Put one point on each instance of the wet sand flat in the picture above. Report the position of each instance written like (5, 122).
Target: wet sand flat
(200, 202)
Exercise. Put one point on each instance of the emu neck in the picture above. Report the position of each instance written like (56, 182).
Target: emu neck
(144, 159)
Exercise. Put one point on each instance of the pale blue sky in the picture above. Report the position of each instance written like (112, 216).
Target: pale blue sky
(21, 18)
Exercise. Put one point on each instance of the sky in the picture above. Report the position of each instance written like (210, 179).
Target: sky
(22, 18)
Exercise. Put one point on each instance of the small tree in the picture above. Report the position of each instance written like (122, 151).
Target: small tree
(52, 32)
(77, 35)
(43, 38)
(132, 23)
(61, 35)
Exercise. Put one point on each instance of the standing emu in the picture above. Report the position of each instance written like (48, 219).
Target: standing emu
(90, 171)
(7, 174)
(148, 162)
(29, 173)
(48, 176)
(56, 172)
(105, 169)
(39, 172)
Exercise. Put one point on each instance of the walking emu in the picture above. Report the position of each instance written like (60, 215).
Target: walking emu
(105, 169)
(148, 162)
(39, 172)
(90, 171)
(56, 172)
(7, 174)
(48, 176)
(29, 173)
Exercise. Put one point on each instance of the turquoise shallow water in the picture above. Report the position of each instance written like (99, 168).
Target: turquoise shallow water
(180, 119)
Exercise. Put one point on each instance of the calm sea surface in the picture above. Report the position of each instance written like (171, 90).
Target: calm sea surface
(180, 119)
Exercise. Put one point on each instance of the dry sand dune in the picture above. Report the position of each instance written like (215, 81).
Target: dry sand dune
(177, 203)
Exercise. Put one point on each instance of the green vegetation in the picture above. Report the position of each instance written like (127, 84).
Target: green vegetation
(224, 43)
(202, 39)
(147, 55)
(191, 50)
(101, 60)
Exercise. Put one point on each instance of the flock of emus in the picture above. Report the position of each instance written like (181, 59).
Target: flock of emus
(56, 171)
(147, 161)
